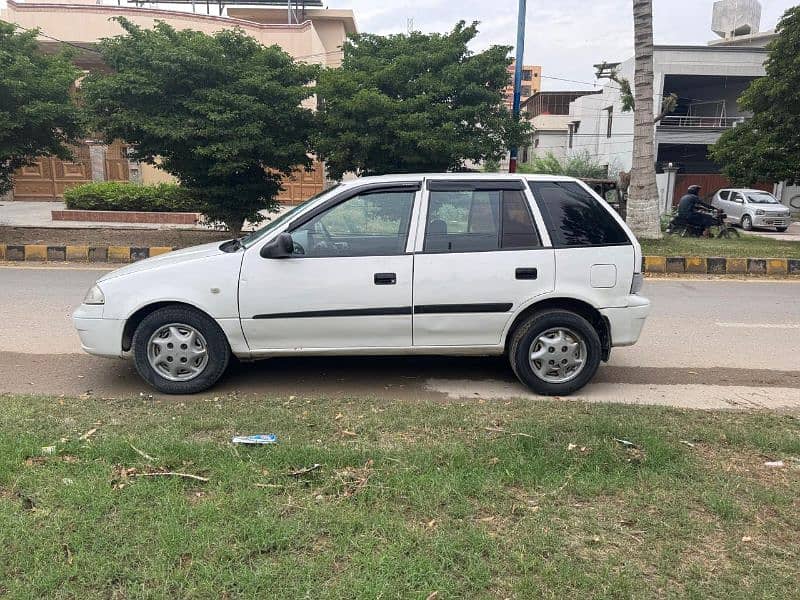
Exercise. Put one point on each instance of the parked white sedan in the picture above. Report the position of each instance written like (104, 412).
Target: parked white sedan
(538, 268)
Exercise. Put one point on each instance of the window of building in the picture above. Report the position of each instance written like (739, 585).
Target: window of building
(525, 90)
(479, 220)
(574, 217)
(527, 74)
(610, 110)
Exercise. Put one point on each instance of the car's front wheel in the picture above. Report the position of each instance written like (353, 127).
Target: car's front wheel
(180, 350)
(555, 352)
(747, 222)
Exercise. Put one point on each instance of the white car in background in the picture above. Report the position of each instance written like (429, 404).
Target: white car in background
(538, 268)
(752, 208)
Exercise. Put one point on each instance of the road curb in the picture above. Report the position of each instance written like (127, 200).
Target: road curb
(720, 265)
(87, 254)
(692, 265)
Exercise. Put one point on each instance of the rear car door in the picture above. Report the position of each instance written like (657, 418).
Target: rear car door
(736, 206)
(346, 285)
(479, 256)
(595, 258)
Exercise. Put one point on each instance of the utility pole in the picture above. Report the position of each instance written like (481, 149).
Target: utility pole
(512, 163)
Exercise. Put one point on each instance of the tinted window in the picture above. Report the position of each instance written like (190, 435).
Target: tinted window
(574, 217)
(370, 224)
(724, 194)
(479, 220)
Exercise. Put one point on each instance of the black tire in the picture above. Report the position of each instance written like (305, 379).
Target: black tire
(747, 223)
(216, 347)
(781, 229)
(530, 330)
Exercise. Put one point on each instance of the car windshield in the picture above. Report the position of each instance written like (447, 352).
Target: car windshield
(763, 198)
(253, 237)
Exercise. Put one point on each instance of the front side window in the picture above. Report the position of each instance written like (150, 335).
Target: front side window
(373, 223)
(574, 217)
(478, 220)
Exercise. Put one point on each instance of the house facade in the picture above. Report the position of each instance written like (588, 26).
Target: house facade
(530, 84)
(316, 39)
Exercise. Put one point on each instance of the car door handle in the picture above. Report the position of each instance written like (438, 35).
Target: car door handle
(385, 278)
(526, 273)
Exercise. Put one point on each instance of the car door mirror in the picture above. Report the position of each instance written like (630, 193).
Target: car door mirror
(281, 247)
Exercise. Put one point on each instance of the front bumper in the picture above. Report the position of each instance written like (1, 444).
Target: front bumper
(771, 221)
(626, 323)
(99, 336)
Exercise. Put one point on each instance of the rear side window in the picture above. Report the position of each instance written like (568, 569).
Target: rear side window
(478, 220)
(574, 217)
(724, 194)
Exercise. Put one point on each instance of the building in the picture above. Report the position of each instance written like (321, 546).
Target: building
(531, 83)
(707, 81)
(317, 38)
(548, 113)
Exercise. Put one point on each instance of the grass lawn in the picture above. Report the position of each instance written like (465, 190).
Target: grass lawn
(747, 246)
(410, 499)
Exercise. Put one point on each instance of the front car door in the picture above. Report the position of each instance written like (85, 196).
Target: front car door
(479, 257)
(348, 283)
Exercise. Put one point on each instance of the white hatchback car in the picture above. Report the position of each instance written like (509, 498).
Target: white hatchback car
(539, 268)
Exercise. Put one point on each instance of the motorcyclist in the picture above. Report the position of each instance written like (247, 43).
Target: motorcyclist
(690, 209)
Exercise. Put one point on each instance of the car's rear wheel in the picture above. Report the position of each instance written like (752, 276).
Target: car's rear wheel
(555, 352)
(180, 350)
(747, 223)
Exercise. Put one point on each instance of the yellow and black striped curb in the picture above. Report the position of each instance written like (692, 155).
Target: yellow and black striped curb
(708, 265)
(719, 265)
(91, 254)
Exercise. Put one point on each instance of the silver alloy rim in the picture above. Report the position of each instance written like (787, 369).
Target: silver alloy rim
(557, 355)
(177, 352)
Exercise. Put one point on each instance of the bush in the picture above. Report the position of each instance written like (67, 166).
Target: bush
(123, 195)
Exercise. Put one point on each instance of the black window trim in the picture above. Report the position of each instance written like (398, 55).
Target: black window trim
(526, 202)
(553, 243)
(475, 185)
(348, 194)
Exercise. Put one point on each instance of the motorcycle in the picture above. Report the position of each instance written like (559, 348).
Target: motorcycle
(720, 228)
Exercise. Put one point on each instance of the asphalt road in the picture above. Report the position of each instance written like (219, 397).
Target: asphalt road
(719, 343)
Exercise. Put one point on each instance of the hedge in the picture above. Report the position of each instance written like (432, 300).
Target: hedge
(123, 195)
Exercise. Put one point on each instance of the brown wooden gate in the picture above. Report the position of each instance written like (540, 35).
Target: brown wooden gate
(303, 184)
(710, 182)
(48, 177)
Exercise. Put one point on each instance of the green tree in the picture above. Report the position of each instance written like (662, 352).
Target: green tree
(767, 147)
(580, 165)
(221, 112)
(37, 112)
(414, 102)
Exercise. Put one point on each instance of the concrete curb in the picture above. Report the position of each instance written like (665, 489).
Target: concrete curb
(88, 254)
(708, 265)
(720, 265)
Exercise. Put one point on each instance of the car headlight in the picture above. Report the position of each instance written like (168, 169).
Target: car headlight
(760, 212)
(94, 296)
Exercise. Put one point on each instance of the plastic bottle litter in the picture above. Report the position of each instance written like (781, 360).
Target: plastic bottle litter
(260, 439)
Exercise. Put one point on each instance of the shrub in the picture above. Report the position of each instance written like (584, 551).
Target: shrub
(123, 195)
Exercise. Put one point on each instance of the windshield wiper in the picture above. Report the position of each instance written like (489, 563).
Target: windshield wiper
(231, 245)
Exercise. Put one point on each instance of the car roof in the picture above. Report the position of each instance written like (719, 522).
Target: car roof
(455, 177)
(748, 190)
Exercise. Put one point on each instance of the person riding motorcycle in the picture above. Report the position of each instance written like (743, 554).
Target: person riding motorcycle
(691, 207)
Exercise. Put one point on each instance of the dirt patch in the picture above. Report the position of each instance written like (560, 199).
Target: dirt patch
(57, 236)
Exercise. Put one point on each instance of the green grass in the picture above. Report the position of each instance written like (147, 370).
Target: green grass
(746, 246)
(411, 498)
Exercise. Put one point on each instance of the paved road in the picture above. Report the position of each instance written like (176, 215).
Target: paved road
(707, 344)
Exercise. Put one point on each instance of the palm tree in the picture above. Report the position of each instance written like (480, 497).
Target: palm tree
(643, 212)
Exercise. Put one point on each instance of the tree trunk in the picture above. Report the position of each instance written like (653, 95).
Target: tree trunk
(643, 212)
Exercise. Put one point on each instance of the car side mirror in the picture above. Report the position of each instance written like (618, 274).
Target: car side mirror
(281, 247)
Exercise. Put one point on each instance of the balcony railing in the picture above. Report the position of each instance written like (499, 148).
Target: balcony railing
(696, 122)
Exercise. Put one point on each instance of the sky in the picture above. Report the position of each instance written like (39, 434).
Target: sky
(565, 37)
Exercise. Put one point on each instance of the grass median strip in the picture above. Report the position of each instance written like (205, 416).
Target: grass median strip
(367, 498)
(745, 246)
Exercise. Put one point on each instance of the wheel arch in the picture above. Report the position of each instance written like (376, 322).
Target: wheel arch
(580, 307)
(133, 321)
